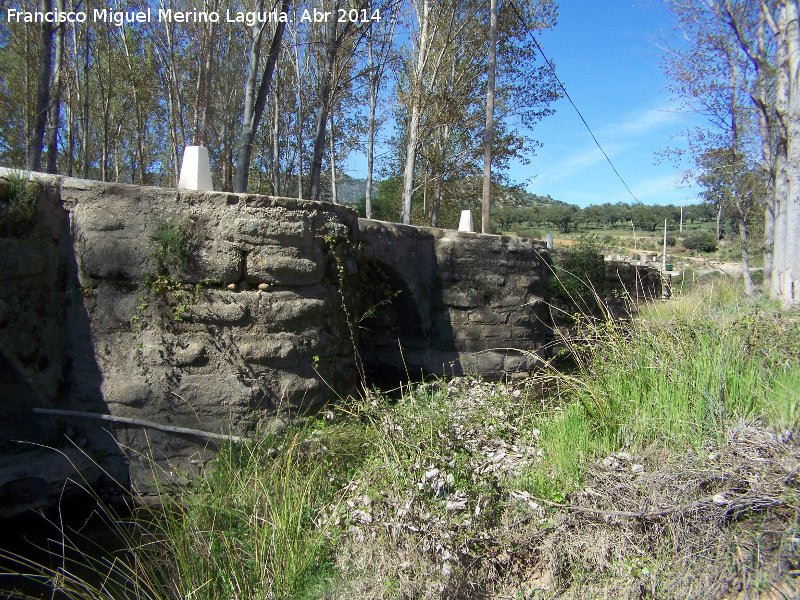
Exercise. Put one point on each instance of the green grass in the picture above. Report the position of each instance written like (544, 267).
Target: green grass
(255, 527)
(275, 518)
(23, 197)
(676, 377)
(176, 246)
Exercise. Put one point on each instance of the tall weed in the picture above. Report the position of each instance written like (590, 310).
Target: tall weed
(251, 529)
(675, 377)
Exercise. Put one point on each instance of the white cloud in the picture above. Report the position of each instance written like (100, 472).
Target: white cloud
(639, 123)
(577, 161)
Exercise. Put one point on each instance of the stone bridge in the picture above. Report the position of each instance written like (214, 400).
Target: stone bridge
(157, 321)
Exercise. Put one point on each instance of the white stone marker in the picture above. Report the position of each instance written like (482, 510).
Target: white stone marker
(196, 169)
(549, 241)
(466, 221)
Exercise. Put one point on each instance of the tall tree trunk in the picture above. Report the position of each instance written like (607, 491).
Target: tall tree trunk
(139, 114)
(323, 102)
(85, 159)
(737, 192)
(254, 107)
(204, 80)
(373, 103)
(488, 139)
(781, 156)
(334, 195)
(70, 134)
(767, 158)
(437, 200)
(299, 92)
(416, 114)
(276, 147)
(42, 91)
(55, 105)
(791, 276)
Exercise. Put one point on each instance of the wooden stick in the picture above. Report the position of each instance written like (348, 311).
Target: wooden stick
(141, 423)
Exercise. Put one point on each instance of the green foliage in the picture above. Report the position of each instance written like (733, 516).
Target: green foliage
(579, 274)
(23, 197)
(249, 530)
(702, 241)
(387, 204)
(177, 297)
(383, 209)
(675, 379)
(177, 245)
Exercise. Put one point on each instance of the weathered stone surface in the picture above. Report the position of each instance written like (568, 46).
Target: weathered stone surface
(133, 392)
(83, 332)
(291, 306)
(219, 309)
(268, 227)
(483, 292)
(219, 261)
(20, 259)
(280, 265)
(193, 352)
(281, 350)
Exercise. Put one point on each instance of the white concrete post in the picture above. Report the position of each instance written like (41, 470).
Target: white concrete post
(196, 169)
(466, 221)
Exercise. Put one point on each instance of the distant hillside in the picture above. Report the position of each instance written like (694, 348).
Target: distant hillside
(517, 196)
(350, 190)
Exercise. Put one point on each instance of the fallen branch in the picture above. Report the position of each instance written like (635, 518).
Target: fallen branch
(141, 423)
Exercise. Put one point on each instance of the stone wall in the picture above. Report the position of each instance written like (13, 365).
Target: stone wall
(222, 313)
(465, 303)
(250, 328)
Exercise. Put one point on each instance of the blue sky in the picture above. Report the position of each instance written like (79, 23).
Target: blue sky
(605, 55)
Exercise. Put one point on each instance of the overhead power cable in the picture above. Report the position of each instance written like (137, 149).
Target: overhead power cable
(566, 95)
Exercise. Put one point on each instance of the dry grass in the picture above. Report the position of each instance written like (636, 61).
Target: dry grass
(710, 525)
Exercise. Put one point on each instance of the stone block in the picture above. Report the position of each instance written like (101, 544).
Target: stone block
(283, 266)
(288, 307)
(133, 391)
(20, 259)
(490, 363)
(471, 345)
(114, 256)
(219, 261)
(272, 226)
(191, 353)
(469, 333)
(218, 312)
(456, 298)
(278, 350)
(498, 332)
(486, 317)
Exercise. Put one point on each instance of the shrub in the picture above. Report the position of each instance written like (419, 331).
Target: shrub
(23, 197)
(177, 245)
(702, 241)
(579, 274)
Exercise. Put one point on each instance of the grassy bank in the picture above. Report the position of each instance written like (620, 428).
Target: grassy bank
(664, 465)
